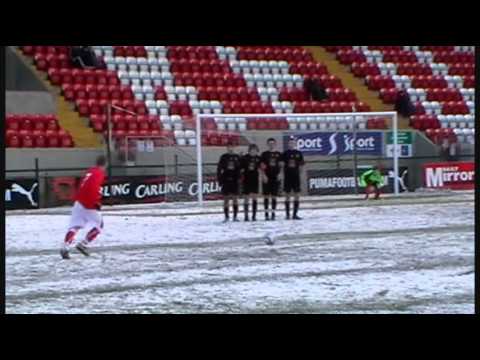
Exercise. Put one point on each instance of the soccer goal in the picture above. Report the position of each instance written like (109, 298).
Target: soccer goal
(144, 152)
(337, 147)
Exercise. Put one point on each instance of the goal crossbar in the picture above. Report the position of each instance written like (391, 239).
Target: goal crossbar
(199, 117)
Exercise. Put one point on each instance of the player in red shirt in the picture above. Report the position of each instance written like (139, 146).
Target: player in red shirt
(86, 210)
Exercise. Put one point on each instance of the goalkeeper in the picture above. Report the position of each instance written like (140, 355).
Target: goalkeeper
(372, 180)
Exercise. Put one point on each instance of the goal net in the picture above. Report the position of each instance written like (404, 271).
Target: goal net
(337, 147)
(177, 160)
(149, 162)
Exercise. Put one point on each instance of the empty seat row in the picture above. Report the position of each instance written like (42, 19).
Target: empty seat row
(98, 107)
(192, 52)
(282, 107)
(257, 67)
(144, 78)
(422, 122)
(274, 54)
(269, 80)
(87, 77)
(31, 122)
(467, 49)
(330, 107)
(137, 64)
(440, 136)
(443, 94)
(32, 50)
(199, 66)
(122, 124)
(228, 93)
(215, 138)
(268, 124)
(450, 107)
(455, 57)
(438, 48)
(462, 69)
(130, 51)
(327, 81)
(465, 135)
(244, 107)
(402, 56)
(127, 117)
(38, 139)
(44, 62)
(209, 79)
(205, 107)
(100, 92)
(456, 121)
(159, 137)
(378, 82)
(332, 123)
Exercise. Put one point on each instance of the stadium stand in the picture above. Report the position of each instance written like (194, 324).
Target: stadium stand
(439, 80)
(166, 85)
(36, 131)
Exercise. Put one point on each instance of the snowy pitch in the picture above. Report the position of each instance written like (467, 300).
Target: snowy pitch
(409, 255)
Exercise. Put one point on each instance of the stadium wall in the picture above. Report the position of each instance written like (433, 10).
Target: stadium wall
(19, 76)
(30, 102)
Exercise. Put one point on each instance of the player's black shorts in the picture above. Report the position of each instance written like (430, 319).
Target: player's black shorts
(292, 184)
(250, 185)
(230, 188)
(271, 188)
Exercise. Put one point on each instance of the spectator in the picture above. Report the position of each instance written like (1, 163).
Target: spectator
(403, 104)
(84, 57)
(315, 90)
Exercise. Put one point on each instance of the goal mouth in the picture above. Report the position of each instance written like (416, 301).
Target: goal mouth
(355, 139)
(338, 147)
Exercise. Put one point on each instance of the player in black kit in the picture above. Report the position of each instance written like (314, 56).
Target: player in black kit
(293, 164)
(271, 166)
(250, 167)
(228, 174)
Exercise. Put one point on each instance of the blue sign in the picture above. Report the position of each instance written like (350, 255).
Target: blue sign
(338, 143)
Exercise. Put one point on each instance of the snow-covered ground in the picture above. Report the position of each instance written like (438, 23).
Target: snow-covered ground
(414, 256)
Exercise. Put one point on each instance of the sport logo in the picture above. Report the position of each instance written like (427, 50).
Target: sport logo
(362, 143)
(29, 194)
(328, 143)
(307, 144)
(333, 144)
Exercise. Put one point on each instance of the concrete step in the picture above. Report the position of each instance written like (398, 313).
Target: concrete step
(348, 79)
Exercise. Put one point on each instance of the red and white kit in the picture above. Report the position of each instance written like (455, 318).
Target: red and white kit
(86, 210)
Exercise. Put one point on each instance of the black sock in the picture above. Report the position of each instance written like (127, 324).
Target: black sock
(235, 211)
(254, 209)
(296, 205)
(266, 203)
(274, 207)
(225, 211)
(287, 208)
(245, 209)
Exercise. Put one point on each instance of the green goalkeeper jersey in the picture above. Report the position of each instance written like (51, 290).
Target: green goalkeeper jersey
(371, 177)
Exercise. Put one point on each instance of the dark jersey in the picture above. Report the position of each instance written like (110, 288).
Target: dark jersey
(271, 160)
(293, 160)
(250, 166)
(229, 168)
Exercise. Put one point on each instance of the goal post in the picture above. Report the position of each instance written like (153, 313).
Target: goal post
(346, 129)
